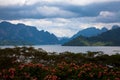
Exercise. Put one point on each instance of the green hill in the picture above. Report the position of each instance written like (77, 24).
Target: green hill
(109, 38)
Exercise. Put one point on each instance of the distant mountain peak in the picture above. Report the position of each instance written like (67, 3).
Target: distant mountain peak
(115, 26)
(20, 24)
(91, 31)
(5, 22)
(104, 28)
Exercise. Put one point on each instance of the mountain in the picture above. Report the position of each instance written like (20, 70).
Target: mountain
(115, 27)
(20, 34)
(89, 32)
(108, 38)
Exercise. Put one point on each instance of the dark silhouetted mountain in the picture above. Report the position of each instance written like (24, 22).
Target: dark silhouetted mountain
(115, 26)
(20, 34)
(89, 32)
(108, 38)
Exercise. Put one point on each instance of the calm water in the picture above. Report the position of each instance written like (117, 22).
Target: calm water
(76, 49)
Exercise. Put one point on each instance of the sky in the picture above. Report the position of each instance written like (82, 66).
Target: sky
(63, 18)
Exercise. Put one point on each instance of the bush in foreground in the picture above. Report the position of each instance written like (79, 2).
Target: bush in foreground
(27, 63)
(62, 71)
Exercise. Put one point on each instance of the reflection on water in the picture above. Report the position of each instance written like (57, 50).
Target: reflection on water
(76, 49)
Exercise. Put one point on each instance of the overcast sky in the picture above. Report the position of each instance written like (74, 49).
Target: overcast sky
(61, 17)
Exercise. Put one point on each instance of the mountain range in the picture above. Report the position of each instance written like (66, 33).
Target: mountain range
(89, 32)
(108, 38)
(20, 34)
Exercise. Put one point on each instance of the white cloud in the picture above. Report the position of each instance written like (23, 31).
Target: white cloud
(60, 32)
(54, 12)
(108, 17)
(11, 2)
(106, 14)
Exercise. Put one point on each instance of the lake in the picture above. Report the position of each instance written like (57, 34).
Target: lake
(76, 49)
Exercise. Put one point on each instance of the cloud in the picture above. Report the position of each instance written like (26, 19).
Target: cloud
(108, 17)
(106, 13)
(35, 12)
(48, 11)
(53, 9)
(11, 2)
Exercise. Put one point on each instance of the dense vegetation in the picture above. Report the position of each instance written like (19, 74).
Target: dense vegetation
(109, 38)
(27, 63)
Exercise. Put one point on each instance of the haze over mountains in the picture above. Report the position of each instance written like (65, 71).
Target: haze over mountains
(20, 34)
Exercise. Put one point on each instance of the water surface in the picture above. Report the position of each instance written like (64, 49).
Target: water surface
(76, 49)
